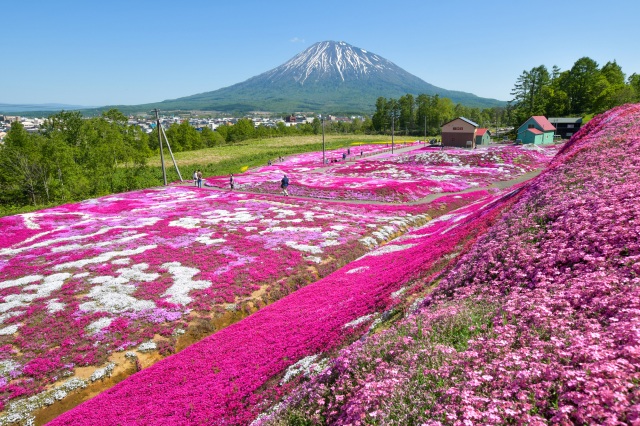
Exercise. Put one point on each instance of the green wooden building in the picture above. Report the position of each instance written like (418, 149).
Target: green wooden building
(536, 130)
(483, 137)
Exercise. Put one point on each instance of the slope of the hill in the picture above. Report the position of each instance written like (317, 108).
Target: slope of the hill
(538, 324)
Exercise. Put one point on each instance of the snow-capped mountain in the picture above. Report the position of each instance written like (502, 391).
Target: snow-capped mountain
(332, 61)
(328, 77)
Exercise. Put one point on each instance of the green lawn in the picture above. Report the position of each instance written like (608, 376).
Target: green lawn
(233, 158)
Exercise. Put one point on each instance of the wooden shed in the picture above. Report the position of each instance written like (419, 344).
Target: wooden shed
(460, 133)
(536, 130)
(483, 137)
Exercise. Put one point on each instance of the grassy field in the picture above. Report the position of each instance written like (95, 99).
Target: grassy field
(237, 157)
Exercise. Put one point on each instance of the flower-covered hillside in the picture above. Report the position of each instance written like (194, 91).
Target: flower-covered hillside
(538, 324)
(406, 175)
(82, 281)
(229, 377)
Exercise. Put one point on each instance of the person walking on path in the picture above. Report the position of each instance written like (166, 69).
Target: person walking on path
(284, 184)
(232, 182)
(195, 178)
(199, 176)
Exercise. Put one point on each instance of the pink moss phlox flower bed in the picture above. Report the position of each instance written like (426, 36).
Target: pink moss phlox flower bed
(539, 323)
(227, 377)
(80, 281)
(399, 177)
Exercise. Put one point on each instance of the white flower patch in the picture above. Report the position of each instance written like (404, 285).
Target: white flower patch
(207, 240)
(358, 321)
(303, 247)
(357, 270)
(123, 261)
(99, 324)
(8, 315)
(102, 372)
(74, 383)
(314, 259)
(301, 366)
(389, 248)
(250, 228)
(43, 289)
(183, 283)
(220, 216)
(53, 242)
(396, 294)
(148, 346)
(104, 257)
(7, 366)
(338, 227)
(331, 234)
(113, 294)
(8, 331)
(20, 281)
(29, 222)
(82, 274)
(59, 394)
(282, 213)
(186, 223)
(329, 243)
(118, 241)
(54, 306)
(290, 229)
(293, 220)
(369, 241)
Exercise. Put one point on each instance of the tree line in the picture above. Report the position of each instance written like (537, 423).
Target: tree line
(72, 158)
(584, 89)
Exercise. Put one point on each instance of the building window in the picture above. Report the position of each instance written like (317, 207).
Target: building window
(531, 126)
(569, 126)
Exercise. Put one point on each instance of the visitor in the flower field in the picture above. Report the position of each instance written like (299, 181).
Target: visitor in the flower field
(284, 184)
(232, 182)
(199, 178)
(344, 156)
(195, 178)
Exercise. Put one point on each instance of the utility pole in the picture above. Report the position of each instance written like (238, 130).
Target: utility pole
(425, 128)
(159, 129)
(393, 119)
(324, 161)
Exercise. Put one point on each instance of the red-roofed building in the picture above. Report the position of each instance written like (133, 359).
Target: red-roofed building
(536, 130)
(483, 137)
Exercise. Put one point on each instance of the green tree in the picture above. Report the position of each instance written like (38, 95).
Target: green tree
(379, 118)
(634, 83)
(582, 85)
(529, 92)
(183, 137)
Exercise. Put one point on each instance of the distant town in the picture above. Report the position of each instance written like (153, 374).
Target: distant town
(148, 123)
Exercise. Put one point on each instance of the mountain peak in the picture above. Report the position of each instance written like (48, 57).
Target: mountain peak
(330, 60)
(328, 76)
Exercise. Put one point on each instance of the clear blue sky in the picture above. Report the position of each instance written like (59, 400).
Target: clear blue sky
(95, 53)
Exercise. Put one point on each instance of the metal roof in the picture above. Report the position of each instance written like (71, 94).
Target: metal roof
(463, 119)
(556, 120)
